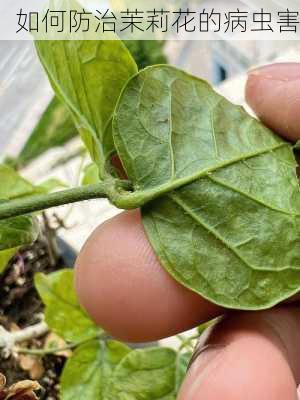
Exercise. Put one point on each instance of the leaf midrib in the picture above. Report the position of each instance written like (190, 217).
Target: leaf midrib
(141, 197)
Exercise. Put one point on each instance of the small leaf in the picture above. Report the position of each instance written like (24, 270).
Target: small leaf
(91, 175)
(6, 256)
(15, 232)
(63, 313)
(88, 371)
(145, 375)
(12, 184)
(225, 222)
(54, 129)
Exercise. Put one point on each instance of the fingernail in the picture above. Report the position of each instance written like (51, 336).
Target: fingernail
(284, 72)
(204, 354)
(203, 362)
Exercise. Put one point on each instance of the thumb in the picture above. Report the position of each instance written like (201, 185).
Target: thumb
(273, 92)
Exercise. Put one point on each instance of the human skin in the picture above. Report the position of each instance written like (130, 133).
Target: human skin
(248, 355)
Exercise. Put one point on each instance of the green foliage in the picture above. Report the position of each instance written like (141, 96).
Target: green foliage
(54, 129)
(56, 126)
(147, 52)
(145, 375)
(20, 231)
(219, 192)
(101, 368)
(88, 371)
(226, 220)
(219, 195)
(89, 86)
(63, 312)
(15, 232)
(14, 186)
(111, 371)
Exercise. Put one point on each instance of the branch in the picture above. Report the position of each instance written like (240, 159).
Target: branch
(55, 350)
(30, 204)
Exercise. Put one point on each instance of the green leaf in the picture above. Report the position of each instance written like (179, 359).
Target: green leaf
(88, 371)
(145, 375)
(90, 175)
(225, 222)
(55, 128)
(63, 313)
(12, 184)
(6, 256)
(182, 363)
(15, 232)
(88, 77)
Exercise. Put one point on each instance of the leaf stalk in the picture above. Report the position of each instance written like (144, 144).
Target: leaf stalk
(55, 350)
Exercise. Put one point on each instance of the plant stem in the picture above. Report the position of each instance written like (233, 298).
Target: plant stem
(55, 350)
(27, 205)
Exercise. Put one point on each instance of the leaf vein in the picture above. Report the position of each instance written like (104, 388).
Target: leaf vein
(216, 234)
(247, 195)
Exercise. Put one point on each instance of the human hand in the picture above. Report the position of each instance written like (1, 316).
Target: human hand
(254, 355)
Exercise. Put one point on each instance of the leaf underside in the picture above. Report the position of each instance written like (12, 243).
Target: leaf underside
(229, 226)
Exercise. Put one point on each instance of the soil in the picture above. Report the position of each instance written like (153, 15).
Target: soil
(20, 306)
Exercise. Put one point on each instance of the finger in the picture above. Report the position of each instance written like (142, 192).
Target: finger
(248, 356)
(273, 92)
(123, 287)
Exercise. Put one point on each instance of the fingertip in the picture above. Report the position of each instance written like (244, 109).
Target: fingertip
(273, 92)
(126, 291)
